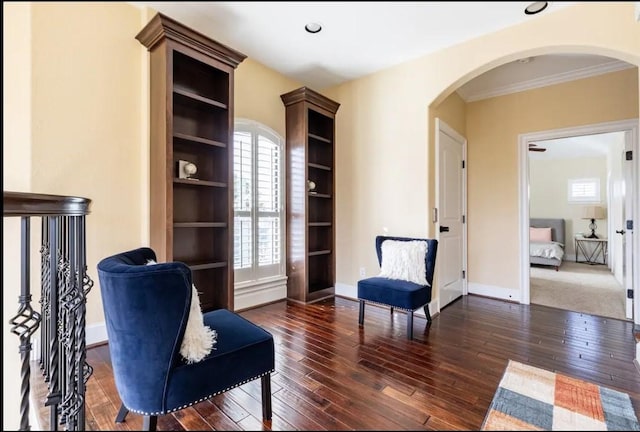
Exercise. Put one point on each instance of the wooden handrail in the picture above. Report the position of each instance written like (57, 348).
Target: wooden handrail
(64, 285)
(33, 204)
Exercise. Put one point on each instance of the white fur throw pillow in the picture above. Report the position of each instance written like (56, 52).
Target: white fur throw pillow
(404, 260)
(198, 339)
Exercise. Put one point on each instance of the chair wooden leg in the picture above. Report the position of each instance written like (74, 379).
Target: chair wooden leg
(409, 325)
(266, 396)
(149, 423)
(122, 414)
(361, 313)
(426, 313)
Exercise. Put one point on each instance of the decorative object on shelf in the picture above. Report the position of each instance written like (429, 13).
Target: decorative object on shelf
(592, 212)
(186, 169)
(311, 185)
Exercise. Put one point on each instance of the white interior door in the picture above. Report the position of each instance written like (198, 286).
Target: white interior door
(627, 240)
(450, 213)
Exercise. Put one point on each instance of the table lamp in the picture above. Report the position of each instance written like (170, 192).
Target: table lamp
(593, 213)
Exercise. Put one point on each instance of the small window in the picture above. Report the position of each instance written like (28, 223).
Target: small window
(584, 190)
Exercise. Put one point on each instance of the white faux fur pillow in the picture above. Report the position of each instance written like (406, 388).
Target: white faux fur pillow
(198, 339)
(404, 260)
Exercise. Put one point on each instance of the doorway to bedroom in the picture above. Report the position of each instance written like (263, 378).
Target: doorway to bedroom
(582, 180)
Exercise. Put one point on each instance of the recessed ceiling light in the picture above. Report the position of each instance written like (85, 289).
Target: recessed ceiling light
(313, 27)
(536, 7)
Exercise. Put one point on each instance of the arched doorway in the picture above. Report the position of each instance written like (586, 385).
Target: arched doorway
(519, 293)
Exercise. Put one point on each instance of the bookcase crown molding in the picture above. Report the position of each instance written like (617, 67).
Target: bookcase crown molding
(161, 26)
(311, 96)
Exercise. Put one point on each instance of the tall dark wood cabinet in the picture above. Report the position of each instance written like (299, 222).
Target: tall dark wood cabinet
(310, 142)
(192, 123)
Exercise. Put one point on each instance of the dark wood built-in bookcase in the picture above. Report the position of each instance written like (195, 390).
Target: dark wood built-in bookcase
(192, 121)
(310, 139)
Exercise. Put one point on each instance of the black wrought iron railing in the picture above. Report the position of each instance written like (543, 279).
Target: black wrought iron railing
(64, 285)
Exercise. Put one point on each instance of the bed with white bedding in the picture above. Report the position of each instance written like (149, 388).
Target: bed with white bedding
(546, 241)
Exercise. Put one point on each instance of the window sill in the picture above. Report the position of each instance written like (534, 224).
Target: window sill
(247, 287)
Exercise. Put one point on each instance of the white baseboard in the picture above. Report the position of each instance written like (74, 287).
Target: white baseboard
(345, 290)
(96, 333)
(34, 420)
(35, 353)
(510, 294)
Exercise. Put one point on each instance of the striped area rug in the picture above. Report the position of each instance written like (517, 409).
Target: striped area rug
(529, 398)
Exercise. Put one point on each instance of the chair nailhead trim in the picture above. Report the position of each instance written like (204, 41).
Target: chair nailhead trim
(202, 399)
(388, 305)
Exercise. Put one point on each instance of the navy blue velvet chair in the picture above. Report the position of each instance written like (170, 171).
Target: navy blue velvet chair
(399, 294)
(146, 309)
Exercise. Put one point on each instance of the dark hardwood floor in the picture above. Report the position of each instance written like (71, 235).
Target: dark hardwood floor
(333, 375)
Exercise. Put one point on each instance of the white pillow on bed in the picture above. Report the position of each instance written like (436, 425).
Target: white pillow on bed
(539, 235)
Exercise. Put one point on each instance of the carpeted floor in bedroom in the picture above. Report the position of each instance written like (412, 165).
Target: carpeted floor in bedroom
(579, 287)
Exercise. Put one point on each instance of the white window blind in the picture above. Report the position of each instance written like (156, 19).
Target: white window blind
(584, 190)
(258, 206)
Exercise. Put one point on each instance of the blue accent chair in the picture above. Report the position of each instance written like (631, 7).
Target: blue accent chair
(146, 308)
(399, 294)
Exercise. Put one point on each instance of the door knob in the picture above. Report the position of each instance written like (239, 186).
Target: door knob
(444, 228)
(620, 231)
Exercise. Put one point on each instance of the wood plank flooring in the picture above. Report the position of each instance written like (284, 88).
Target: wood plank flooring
(333, 375)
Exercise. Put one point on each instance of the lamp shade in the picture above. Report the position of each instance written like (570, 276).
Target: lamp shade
(592, 212)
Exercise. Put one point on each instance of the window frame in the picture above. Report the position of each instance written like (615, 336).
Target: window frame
(596, 198)
(256, 273)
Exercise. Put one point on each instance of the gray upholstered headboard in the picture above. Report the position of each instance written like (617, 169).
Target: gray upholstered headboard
(556, 225)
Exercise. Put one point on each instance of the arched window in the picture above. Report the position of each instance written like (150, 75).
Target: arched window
(258, 204)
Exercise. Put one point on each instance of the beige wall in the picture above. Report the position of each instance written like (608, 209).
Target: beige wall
(16, 176)
(453, 111)
(385, 172)
(257, 94)
(548, 184)
(493, 126)
(88, 124)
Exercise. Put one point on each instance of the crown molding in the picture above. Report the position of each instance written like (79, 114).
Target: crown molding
(306, 94)
(548, 80)
(162, 26)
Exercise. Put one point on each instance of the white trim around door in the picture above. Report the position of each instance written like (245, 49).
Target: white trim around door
(630, 126)
(441, 205)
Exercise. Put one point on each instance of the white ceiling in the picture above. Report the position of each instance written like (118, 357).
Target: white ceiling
(357, 39)
(596, 145)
